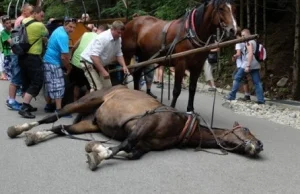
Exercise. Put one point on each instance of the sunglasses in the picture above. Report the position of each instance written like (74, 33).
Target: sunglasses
(67, 20)
(5, 18)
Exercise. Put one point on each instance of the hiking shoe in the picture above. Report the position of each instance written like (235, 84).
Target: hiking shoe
(31, 108)
(151, 94)
(49, 108)
(13, 106)
(245, 98)
(25, 113)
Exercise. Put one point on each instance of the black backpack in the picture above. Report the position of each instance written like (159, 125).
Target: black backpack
(19, 39)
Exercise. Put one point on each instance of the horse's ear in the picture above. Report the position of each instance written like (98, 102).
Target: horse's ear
(235, 124)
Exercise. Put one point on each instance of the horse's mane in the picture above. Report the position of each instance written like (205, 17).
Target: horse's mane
(217, 3)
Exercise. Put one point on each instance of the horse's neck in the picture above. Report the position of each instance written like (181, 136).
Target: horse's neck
(205, 138)
(203, 23)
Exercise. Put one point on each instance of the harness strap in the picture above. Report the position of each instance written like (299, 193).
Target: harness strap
(163, 44)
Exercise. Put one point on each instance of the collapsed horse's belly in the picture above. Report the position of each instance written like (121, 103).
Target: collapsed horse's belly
(120, 110)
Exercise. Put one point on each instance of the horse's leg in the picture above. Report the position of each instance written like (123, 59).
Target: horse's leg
(79, 107)
(85, 126)
(99, 152)
(194, 75)
(179, 73)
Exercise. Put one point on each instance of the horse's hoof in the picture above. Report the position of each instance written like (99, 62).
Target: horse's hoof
(12, 132)
(89, 146)
(30, 139)
(92, 160)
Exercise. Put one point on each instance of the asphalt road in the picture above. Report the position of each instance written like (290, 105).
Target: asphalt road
(58, 165)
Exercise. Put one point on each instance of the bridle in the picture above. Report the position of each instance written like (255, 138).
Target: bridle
(219, 143)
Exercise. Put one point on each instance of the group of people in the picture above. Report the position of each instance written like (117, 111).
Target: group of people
(85, 64)
(26, 71)
(247, 64)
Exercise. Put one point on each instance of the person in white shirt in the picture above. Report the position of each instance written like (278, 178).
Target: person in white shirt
(104, 49)
(238, 58)
(250, 65)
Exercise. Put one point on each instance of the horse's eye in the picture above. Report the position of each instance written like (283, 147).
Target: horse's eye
(221, 9)
(246, 129)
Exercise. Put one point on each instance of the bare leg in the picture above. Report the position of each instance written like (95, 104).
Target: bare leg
(12, 91)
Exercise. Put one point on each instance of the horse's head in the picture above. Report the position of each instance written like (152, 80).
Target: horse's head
(223, 14)
(240, 139)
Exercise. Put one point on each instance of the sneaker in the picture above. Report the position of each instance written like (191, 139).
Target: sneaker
(49, 108)
(159, 85)
(13, 106)
(142, 83)
(151, 94)
(227, 97)
(258, 102)
(24, 112)
(245, 98)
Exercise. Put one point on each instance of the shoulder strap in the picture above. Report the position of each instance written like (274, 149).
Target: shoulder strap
(30, 22)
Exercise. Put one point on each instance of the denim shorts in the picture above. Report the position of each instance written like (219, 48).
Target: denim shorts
(13, 69)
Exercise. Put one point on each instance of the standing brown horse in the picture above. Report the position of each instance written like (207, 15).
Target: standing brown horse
(141, 122)
(147, 36)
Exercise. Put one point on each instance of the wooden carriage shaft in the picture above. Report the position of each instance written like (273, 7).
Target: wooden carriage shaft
(189, 52)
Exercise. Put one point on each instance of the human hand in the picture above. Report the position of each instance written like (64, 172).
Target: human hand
(125, 70)
(68, 70)
(233, 58)
(247, 69)
(105, 75)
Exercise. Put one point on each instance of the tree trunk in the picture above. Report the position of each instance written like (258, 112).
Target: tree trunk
(248, 14)
(255, 16)
(296, 70)
(265, 32)
(242, 14)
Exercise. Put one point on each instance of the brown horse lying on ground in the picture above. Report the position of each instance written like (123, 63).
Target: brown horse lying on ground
(141, 122)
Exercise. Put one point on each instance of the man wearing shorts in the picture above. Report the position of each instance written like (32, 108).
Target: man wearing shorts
(11, 66)
(56, 58)
(31, 63)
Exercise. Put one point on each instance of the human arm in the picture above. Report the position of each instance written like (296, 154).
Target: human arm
(249, 56)
(75, 46)
(121, 61)
(65, 53)
(237, 54)
(65, 58)
(99, 66)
